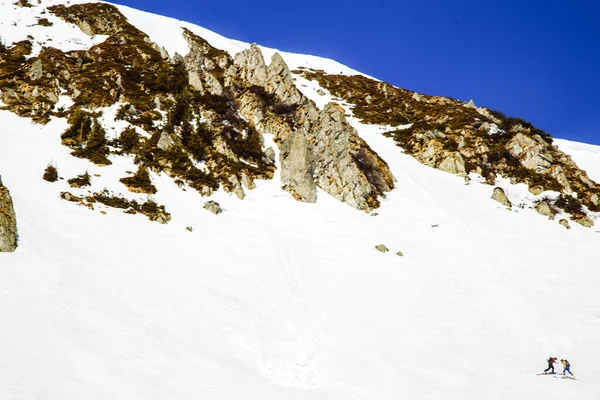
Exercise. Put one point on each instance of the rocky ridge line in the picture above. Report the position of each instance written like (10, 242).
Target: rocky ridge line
(461, 138)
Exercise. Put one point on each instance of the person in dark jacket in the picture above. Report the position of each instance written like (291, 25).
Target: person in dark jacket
(551, 362)
(566, 367)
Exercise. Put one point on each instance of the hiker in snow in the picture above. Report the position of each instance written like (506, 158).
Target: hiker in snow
(551, 362)
(566, 367)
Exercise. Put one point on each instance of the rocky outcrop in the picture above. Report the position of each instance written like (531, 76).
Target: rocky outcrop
(213, 207)
(8, 222)
(206, 66)
(500, 197)
(532, 151)
(319, 148)
(461, 138)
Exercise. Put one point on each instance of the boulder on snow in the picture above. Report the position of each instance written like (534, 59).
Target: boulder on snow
(213, 207)
(500, 197)
(400, 254)
(565, 223)
(544, 208)
(382, 248)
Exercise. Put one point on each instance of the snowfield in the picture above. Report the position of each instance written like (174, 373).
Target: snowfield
(276, 299)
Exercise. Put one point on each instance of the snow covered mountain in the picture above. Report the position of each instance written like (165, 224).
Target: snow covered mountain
(124, 286)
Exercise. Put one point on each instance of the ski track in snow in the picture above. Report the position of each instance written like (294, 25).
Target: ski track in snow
(276, 299)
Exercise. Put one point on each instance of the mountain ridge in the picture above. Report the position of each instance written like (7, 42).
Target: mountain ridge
(273, 297)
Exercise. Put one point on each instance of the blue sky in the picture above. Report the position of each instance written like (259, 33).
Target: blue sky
(538, 60)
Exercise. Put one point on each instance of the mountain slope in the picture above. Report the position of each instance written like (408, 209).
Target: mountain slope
(276, 298)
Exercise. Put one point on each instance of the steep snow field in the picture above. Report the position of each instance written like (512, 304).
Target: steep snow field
(276, 299)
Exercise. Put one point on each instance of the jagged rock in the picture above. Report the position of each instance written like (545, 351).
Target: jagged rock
(213, 207)
(346, 167)
(281, 83)
(558, 173)
(248, 182)
(8, 222)
(584, 221)
(500, 197)
(251, 66)
(166, 142)
(594, 199)
(321, 92)
(454, 164)
(382, 248)
(471, 104)
(544, 208)
(200, 68)
(565, 223)
(532, 153)
(536, 190)
(416, 97)
(319, 148)
(270, 154)
(236, 187)
(213, 85)
(296, 162)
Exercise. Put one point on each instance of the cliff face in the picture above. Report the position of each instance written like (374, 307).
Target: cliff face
(8, 222)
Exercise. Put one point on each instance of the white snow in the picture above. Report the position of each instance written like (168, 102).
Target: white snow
(17, 23)
(276, 299)
(585, 155)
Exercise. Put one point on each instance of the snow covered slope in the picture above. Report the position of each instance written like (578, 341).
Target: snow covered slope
(277, 299)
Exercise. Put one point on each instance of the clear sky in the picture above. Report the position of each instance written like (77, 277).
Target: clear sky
(535, 59)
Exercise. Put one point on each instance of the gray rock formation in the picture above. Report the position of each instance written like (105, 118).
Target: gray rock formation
(202, 70)
(213, 207)
(318, 147)
(8, 222)
(297, 168)
(500, 197)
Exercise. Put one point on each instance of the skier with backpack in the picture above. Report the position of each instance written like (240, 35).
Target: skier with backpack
(566, 367)
(551, 362)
